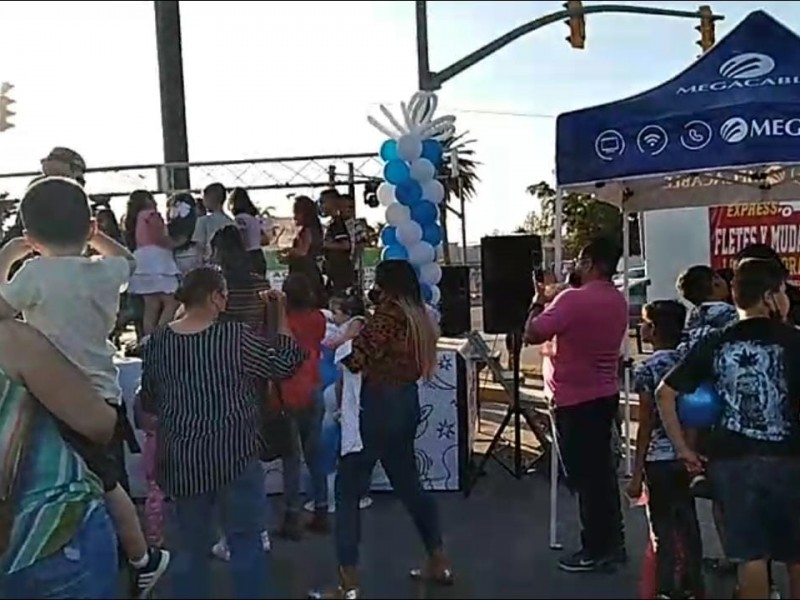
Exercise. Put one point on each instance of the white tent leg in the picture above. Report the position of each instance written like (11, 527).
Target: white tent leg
(558, 243)
(555, 454)
(626, 351)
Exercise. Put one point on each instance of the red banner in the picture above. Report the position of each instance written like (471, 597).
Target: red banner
(735, 226)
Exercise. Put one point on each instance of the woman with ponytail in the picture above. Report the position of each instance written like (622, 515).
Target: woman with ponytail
(395, 349)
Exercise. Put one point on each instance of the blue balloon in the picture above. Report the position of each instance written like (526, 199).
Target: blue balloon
(409, 192)
(427, 294)
(433, 151)
(432, 233)
(424, 213)
(389, 150)
(394, 252)
(700, 409)
(389, 236)
(396, 172)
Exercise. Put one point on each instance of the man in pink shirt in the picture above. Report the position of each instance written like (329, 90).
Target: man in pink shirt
(587, 326)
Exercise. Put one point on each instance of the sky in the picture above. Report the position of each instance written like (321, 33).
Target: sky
(270, 79)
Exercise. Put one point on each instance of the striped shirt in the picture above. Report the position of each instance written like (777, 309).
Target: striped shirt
(205, 389)
(244, 304)
(53, 491)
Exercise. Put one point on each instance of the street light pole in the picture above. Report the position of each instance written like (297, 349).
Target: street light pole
(432, 81)
(173, 101)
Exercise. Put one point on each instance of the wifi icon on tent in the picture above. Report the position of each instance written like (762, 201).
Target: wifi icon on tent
(652, 140)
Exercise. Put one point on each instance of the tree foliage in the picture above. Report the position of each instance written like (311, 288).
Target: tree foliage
(459, 186)
(584, 218)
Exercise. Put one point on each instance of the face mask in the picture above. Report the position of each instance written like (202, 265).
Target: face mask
(374, 296)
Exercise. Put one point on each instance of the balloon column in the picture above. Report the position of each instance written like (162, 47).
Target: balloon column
(411, 193)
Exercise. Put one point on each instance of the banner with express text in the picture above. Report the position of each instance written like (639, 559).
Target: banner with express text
(735, 226)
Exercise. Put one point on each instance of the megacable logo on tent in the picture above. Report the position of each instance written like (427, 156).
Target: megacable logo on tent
(737, 129)
(747, 66)
(744, 70)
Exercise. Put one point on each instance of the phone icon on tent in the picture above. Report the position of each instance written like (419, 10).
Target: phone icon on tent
(609, 145)
(696, 135)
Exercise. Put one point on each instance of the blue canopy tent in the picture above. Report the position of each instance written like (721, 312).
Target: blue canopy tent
(725, 130)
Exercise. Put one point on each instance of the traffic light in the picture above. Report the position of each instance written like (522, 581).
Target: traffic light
(706, 28)
(5, 102)
(576, 24)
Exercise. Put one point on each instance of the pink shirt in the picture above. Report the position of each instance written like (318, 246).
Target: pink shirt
(151, 229)
(589, 324)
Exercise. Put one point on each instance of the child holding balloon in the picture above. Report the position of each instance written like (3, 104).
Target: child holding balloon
(754, 450)
(670, 504)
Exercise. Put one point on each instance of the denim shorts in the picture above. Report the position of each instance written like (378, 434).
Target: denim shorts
(760, 501)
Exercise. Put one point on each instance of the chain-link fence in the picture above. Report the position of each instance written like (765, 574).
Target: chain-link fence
(287, 173)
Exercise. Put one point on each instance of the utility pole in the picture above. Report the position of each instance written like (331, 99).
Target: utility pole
(173, 101)
(573, 14)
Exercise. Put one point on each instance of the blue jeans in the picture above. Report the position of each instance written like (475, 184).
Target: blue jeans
(389, 418)
(306, 429)
(241, 506)
(86, 567)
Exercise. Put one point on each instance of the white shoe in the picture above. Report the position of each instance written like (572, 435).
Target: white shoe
(365, 502)
(266, 544)
(221, 550)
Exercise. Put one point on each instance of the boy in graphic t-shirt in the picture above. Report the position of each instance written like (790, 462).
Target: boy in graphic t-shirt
(754, 452)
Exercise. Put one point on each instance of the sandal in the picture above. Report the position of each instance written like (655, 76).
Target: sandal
(441, 577)
(339, 593)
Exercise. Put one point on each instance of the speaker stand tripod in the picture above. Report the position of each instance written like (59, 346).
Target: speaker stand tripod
(518, 467)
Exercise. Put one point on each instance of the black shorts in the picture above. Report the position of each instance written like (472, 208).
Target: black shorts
(760, 500)
(105, 461)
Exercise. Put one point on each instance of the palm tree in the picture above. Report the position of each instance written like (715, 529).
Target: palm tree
(462, 185)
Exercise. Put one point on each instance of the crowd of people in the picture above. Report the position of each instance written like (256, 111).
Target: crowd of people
(740, 337)
(230, 376)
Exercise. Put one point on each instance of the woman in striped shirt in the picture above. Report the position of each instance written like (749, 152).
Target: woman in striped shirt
(202, 377)
(244, 285)
(56, 538)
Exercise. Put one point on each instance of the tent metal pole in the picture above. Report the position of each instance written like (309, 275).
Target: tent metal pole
(558, 242)
(626, 351)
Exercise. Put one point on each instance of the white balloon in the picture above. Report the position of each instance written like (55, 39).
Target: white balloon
(421, 253)
(409, 147)
(433, 191)
(422, 170)
(397, 213)
(430, 273)
(409, 233)
(436, 295)
(385, 194)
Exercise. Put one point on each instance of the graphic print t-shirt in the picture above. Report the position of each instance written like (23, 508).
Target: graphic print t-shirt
(753, 365)
(646, 378)
(703, 319)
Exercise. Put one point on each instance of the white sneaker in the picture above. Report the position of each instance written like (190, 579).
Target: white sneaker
(365, 502)
(221, 551)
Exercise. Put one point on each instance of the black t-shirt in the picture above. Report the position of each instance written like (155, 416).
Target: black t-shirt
(337, 262)
(754, 365)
